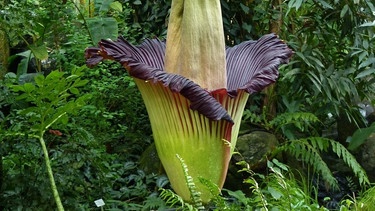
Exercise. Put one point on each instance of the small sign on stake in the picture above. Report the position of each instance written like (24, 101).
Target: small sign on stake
(99, 203)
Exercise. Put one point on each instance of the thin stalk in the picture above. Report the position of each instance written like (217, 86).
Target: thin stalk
(50, 175)
(84, 21)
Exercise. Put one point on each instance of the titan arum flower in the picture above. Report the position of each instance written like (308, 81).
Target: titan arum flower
(195, 89)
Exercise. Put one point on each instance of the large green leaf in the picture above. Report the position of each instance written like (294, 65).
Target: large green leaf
(23, 65)
(102, 28)
(360, 136)
(117, 6)
(40, 51)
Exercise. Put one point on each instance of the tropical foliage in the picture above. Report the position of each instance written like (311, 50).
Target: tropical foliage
(95, 129)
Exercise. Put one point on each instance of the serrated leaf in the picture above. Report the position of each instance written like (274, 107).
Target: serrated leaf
(72, 77)
(17, 88)
(79, 83)
(39, 80)
(64, 119)
(29, 87)
(54, 75)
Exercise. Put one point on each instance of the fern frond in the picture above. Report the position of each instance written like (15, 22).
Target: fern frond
(350, 160)
(258, 193)
(171, 199)
(212, 187)
(253, 117)
(308, 151)
(194, 194)
(298, 119)
(214, 191)
(367, 200)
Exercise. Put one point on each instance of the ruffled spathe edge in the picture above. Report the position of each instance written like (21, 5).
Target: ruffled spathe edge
(251, 66)
(138, 62)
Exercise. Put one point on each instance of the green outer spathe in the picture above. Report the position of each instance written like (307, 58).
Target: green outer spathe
(201, 142)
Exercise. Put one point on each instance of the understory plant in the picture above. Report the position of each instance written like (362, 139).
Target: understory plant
(195, 89)
(50, 100)
(299, 138)
(275, 190)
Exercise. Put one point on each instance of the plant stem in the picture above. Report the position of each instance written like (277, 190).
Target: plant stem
(50, 175)
(84, 20)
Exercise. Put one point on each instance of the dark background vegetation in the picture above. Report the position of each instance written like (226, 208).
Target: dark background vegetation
(96, 153)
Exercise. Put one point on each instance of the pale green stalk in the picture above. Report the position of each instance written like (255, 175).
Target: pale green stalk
(56, 195)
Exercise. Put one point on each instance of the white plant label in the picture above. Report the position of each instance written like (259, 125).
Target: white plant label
(99, 203)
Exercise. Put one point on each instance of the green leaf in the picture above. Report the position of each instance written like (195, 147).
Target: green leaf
(368, 62)
(245, 8)
(300, 54)
(365, 44)
(247, 27)
(365, 73)
(315, 80)
(74, 90)
(239, 195)
(344, 11)
(102, 28)
(79, 83)
(23, 66)
(325, 4)
(316, 60)
(280, 165)
(40, 52)
(39, 80)
(295, 3)
(29, 87)
(64, 119)
(362, 56)
(117, 6)
(17, 88)
(72, 77)
(102, 6)
(274, 193)
(55, 76)
(137, 2)
(368, 24)
(26, 54)
(360, 136)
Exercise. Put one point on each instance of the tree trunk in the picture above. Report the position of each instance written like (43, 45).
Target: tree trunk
(4, 53)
